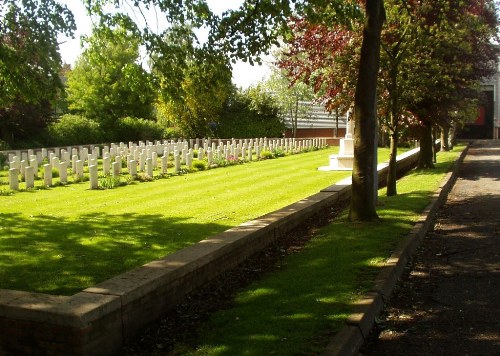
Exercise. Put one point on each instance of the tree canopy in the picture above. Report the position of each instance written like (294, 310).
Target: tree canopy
(29, 60)
(448, 41)
(107, 82)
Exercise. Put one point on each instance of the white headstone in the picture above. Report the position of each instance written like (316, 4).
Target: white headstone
(149, 167)
(30, 177)
(177, 160)
(63, 172)
(79, 169)
(115, 169)
(106, 165)
(132, 170)
(93, 177)
(154, 159)
(13, 179)
(22, 168)
(47, 175)
(164, 164)
(118, 161)
(34, 164)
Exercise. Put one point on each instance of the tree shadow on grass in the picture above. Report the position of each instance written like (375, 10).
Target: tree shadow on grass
(298, 306)
(57, 255)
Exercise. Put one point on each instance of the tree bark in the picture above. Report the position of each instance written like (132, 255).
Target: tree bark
(364, 190)
(445, 138)
(434, 139)
(392, 169)
(426, 151)
(337, 122)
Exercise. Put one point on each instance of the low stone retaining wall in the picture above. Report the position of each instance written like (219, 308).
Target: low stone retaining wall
(98, 320)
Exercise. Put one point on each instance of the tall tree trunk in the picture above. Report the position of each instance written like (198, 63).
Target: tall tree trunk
(453, 134)
(426, 150)
(392, 169)
(336, 122)
(434, 139)
(364, 180)
(445, 138)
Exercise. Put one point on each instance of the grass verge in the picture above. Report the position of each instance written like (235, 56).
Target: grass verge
(296, 310)
(63, 239)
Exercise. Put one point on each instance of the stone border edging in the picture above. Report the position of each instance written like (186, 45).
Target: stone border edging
(99, 319)
(359, 324)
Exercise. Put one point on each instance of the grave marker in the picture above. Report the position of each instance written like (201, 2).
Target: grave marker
(29, 177)
(47, 175)
(63, 172)
(94, 182)
(13, 178)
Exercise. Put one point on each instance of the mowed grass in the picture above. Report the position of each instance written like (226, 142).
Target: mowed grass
(296, 310)
(63, 239)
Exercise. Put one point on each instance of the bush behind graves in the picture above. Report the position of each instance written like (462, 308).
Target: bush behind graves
(74, 130)
(135, 129)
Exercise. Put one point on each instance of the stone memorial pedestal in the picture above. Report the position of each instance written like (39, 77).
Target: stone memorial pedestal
(344, 161)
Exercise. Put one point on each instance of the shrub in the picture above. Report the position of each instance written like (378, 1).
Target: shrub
(4, 146)
(109, 182)
(251, 113)
(278, 153)
(200, 165)
(5, 191)
(74, 130)
(134, 129)
(266, 155)
(3, 160)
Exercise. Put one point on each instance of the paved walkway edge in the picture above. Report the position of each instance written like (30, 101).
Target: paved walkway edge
(351, 337)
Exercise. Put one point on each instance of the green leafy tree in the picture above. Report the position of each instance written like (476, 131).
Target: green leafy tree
(396, 62)
(194, 83)
(454, 53)
(29, 63)
(253, 112)
(289, 97)
(107, 83)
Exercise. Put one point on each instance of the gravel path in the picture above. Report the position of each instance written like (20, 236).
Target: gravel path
(448, 302)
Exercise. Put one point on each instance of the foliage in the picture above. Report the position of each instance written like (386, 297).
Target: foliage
(275, 153)
(107, 82)
(326, 58)
(4, 146)
(109, 182)
(194, 83)
(74, 130)
(134, 129)
(266, 155)
(29, 64)
(289, 97)
(3, 160)
(200, 165)
(454, 53)
(251, 113)
(22, 122)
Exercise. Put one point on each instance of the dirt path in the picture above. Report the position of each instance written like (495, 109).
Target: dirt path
(448, 302)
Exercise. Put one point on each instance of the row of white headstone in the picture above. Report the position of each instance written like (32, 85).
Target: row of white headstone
(142, 157)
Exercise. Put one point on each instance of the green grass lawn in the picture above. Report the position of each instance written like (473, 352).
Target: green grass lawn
(296, 311)
(63, 239)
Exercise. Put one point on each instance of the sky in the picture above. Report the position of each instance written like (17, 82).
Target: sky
(244, 74)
